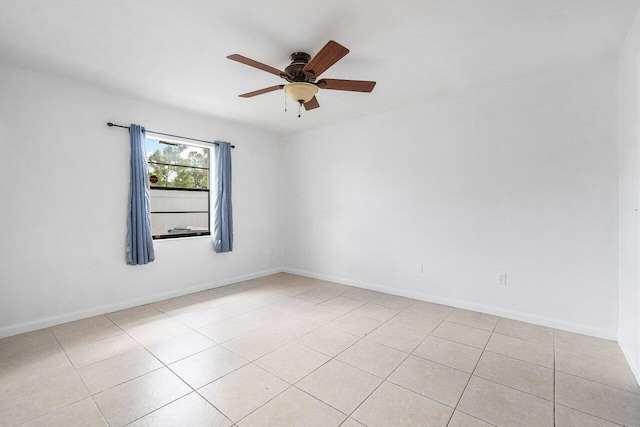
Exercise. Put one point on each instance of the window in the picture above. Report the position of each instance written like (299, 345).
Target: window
(179, 188)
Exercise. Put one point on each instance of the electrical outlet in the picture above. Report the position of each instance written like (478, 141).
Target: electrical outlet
(420, 267)
(502, 279)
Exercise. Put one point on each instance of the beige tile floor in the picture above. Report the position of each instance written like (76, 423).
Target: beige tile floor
(285, 350)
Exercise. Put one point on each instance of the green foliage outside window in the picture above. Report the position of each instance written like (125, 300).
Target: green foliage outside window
(177, 165)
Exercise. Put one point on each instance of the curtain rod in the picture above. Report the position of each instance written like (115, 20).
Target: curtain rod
(167, 134)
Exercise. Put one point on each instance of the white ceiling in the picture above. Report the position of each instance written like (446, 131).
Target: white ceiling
(174, 52)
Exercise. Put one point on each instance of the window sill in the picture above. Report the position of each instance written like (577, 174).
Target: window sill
(164, 239)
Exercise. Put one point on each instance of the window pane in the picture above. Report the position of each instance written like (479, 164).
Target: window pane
(177, 154)
(177, 177)
(158, 175)
(183, 177)
(172, 224)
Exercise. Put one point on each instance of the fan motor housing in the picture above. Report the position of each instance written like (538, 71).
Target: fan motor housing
(298, 61)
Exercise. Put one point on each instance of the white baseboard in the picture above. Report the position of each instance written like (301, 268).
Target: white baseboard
(96, 311)
(531, 318)
(632, 361)
(515, 315)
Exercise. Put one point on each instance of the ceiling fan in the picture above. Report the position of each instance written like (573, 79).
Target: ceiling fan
(302, 74)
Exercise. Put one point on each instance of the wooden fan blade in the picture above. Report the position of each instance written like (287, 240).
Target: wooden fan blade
(261, 91)
(331, 53)
(259, 65)
(350, 85)
(311, 104)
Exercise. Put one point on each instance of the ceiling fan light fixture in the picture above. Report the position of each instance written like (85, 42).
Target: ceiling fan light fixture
(301, 92)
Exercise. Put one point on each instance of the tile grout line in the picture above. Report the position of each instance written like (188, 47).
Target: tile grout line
(555, 403)
(442, 364)
(554, 364)
(251, 362)
(473, 372)
(164, 365)
(600, 358)
(289, 386)
(586, 413)
(590, 415)
(81, 380)
(79, 377)
(331, 358)
(599, 383)
(288, 383)
(396, 368)
(317, 368)
(386, 378)
(511, 387)
(228, 373)
(554, 379)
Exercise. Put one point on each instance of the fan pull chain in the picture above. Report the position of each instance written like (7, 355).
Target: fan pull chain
(285, 101)
(299, 105)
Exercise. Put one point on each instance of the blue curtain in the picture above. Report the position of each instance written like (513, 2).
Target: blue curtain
(139, 241)
(223, 219)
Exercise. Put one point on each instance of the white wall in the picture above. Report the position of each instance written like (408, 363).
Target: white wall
(63, 202)
(520, 178)
(629, 87)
